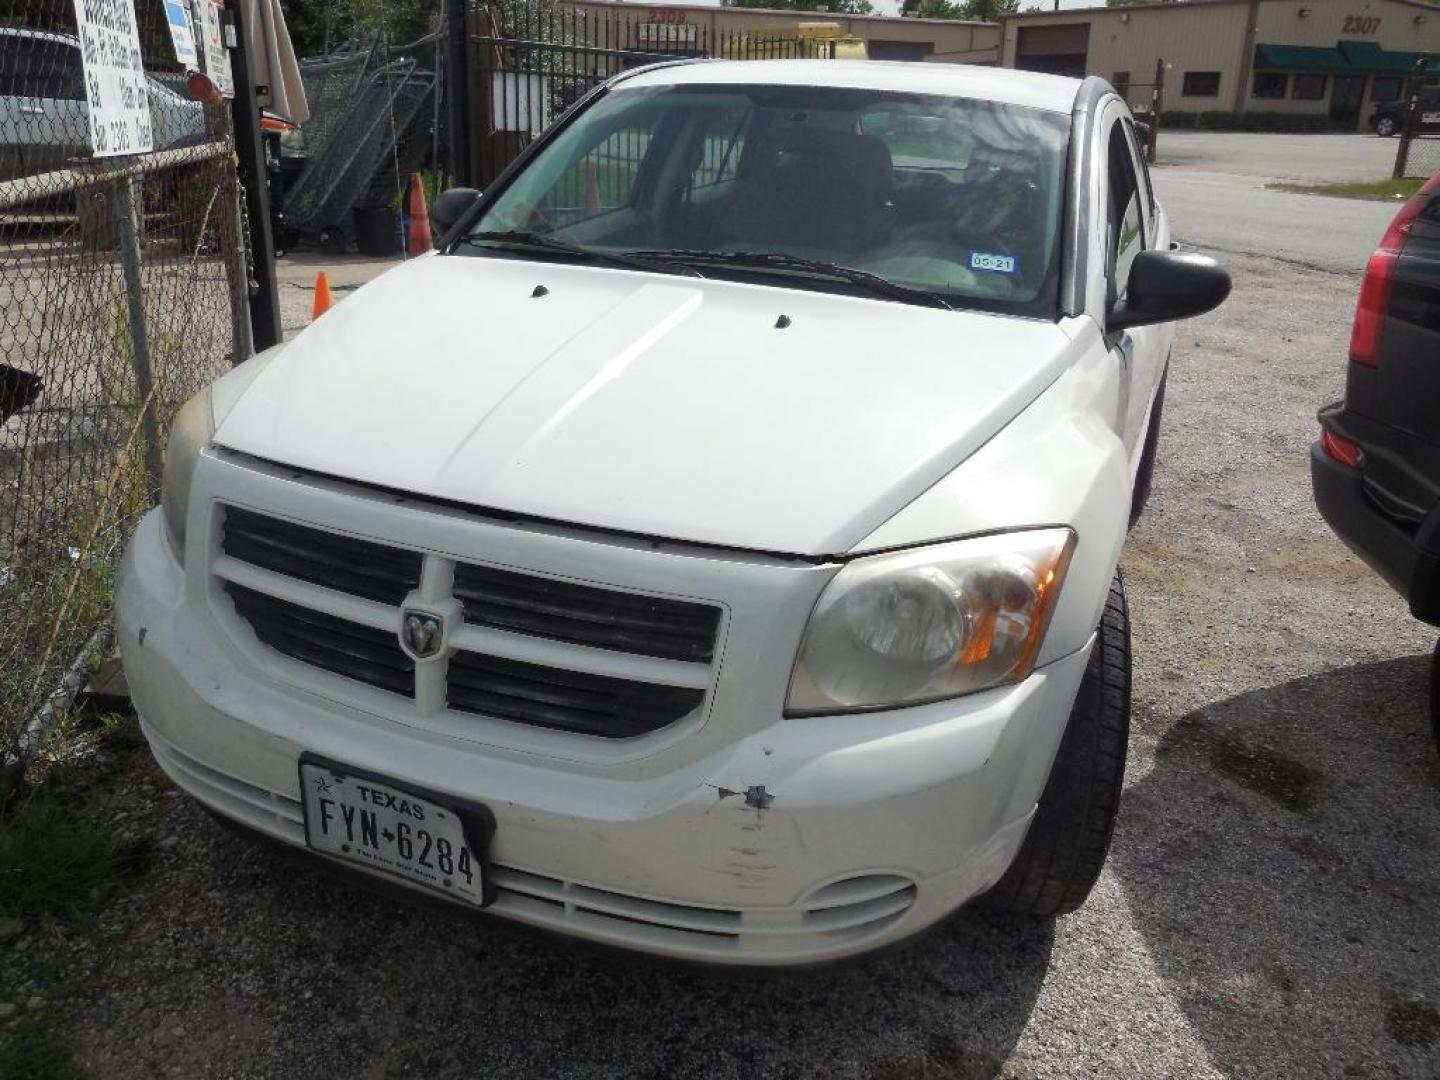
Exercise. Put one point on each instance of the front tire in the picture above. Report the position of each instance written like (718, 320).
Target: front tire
(1069, 838)
(1435, 694)
(1385, 127)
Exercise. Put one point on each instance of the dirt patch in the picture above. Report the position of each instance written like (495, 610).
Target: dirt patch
(1413, 1023)
(1277, 777)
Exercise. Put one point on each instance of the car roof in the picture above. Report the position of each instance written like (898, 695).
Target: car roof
(1053, 93)
(39, 35)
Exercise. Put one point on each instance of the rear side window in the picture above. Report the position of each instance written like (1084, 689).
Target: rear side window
(1127, 221)
(39, 68)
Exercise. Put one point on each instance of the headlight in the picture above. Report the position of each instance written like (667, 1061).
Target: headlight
(932, 623)
(191, 429)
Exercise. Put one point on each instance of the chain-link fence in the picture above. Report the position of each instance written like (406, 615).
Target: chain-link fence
(1418, 153)
(121, 287)
(1419, 156)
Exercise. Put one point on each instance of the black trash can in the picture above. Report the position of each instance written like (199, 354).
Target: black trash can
(375, 232)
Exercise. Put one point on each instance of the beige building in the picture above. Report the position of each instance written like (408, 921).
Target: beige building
(1336, 58)
(931, 40)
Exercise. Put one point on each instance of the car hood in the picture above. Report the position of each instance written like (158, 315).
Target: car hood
(667, 406)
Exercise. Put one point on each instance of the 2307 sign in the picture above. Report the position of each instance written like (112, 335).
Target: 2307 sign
(1361, 24)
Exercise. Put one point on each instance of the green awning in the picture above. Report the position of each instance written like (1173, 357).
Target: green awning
(1346, 58)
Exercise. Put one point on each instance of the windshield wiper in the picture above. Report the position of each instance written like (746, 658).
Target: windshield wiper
(780, 261)
(521, 239)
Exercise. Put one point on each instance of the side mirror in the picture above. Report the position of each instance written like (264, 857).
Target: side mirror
(1169, 285)
(451, 205)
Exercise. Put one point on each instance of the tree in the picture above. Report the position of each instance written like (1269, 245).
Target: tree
(313, 23)
(973, 10)
(828, 7)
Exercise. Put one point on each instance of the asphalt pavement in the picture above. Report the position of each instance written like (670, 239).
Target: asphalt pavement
(1268, 909)
(1214, 187)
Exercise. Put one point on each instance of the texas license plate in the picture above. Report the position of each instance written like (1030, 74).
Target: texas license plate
(359, 819)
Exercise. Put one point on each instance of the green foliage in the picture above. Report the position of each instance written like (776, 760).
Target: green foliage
(53, 865)
(1256, 120)
(398, 21)
(1379, 190)
(33, 1050)
(972, 10)
(828, 7)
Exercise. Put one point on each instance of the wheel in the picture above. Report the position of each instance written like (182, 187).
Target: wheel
(1386, 127)
(1060, 860)
(1140, 496)
(1435, 693)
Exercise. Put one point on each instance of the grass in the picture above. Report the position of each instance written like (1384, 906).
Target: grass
(58, 864)
(1379, 190)
(54, 864)
(32, 1050)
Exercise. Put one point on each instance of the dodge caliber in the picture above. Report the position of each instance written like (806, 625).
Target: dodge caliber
(710, 549)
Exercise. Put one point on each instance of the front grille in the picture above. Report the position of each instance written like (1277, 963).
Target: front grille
(569, 700)
(347, 648)
(358, 567)
(586, 615)
(605, 700)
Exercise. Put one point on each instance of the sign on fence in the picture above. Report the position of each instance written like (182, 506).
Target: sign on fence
(182, 33)
(114, 77)
(217, 57)
(518, 101)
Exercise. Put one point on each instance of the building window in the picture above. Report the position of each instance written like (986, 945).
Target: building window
(1308, 88)
(1121, 82)
(1385, 88)
(1201, 84)
(1269, 84)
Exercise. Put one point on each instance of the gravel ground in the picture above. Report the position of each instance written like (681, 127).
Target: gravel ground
(1268, 909)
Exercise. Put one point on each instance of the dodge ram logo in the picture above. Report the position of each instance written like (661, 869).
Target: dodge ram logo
(421, 634)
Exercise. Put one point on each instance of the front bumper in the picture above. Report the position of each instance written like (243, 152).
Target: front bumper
(798, 841)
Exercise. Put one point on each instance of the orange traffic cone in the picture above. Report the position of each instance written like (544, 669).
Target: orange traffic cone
(592, 187)
(420, 241)
(324, 300)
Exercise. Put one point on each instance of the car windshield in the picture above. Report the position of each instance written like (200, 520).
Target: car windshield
(912, 197)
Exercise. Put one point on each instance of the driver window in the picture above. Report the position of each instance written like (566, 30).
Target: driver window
(1126, 234)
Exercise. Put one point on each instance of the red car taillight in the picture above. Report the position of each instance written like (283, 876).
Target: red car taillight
(1340, 449)
(1379, 274)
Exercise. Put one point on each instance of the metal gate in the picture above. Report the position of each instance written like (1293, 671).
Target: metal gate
(518, 66)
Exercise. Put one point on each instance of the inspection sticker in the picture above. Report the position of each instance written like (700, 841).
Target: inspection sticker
(994, 264)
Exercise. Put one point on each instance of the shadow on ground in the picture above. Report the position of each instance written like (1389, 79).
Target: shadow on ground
(1282, 861)
(286, 970)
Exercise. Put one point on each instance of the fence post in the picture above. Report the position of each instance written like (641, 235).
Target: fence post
(1157, 108)
(457, 86)
(127, 212)
(265, 327)
(1410, 125)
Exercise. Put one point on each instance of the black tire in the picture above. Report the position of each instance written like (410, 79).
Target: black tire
(1386, 126)
(1435, 694)
(1140, 496)
(1063, 853)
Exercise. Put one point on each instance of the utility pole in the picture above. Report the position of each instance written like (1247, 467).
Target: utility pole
(250, 159)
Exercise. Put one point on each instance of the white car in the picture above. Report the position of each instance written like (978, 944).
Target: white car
(44, 116)
(711, 551)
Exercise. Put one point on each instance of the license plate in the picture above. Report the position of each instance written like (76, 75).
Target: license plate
(374, 822)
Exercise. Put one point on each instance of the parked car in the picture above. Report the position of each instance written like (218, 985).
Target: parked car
(44, 117)
(711, 551)
(1389, 117)
(1376, 465)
